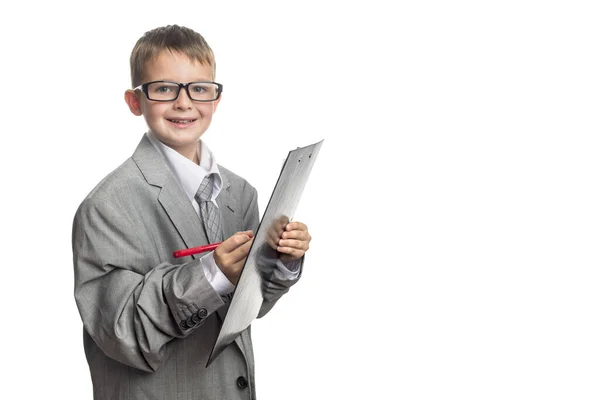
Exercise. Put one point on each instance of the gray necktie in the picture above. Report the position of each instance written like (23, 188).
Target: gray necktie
(209, 211)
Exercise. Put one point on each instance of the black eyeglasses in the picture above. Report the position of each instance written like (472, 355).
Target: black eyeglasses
(169, 91)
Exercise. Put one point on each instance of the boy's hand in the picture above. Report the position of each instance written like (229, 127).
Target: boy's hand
(231, 255)
(294, 241)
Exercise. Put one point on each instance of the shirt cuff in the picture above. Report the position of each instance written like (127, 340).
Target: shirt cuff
(215, 277)
(288, 271)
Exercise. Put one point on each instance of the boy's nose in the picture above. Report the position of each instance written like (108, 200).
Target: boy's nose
(183, 101)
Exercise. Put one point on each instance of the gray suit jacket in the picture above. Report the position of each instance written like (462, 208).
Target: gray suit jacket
(150, 320)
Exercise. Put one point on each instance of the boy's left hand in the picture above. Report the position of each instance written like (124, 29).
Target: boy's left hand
(294, 241)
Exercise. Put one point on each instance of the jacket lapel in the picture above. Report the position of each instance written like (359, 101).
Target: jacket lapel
(172, 198)
(228, 206)
(183, 215)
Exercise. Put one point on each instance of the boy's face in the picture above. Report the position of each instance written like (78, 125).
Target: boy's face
(179, 123)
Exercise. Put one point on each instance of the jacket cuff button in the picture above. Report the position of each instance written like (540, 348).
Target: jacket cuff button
(190, 323)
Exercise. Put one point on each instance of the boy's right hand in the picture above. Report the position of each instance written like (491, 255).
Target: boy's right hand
(231, 255)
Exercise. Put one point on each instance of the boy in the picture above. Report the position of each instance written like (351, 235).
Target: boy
(150, 320)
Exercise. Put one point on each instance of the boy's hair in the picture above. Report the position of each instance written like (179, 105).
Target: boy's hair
(173, 38)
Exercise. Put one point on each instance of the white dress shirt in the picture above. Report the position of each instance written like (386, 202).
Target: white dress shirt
(190, 176)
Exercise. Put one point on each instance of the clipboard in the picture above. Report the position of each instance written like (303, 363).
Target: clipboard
(248, 295)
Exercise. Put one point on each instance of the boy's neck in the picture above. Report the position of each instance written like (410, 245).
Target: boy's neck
(189, 153)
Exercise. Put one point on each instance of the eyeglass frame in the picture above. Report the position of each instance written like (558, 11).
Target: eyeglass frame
(144, 88)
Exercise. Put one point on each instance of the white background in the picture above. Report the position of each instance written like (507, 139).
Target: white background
(454, 204)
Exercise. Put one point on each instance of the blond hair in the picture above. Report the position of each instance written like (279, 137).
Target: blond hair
(174, 38)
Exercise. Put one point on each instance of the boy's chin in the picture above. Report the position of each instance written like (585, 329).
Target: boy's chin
(179, 136)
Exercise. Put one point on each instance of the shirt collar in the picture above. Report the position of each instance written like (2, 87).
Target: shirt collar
(187, 172)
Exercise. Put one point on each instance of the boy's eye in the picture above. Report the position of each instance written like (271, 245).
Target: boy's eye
(198, 89)
(164, 89)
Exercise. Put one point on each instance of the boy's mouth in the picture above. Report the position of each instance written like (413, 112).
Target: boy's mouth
(181, 121)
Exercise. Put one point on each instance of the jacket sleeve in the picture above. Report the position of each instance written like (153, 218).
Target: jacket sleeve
(129, 308)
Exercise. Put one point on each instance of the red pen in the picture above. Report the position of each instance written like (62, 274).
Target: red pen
(195, 250)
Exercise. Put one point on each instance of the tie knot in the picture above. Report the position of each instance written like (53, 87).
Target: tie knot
(205, 190)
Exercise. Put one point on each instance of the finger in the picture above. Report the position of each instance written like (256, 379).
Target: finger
(281, 222)
(277, 228)
(247, 233)
(272, 241)
(299, 235)
(295, 244)
(273, 235)
(296, 226)
(239, 253)
(235, 241)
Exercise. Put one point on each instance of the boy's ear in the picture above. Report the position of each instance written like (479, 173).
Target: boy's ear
(133, 101)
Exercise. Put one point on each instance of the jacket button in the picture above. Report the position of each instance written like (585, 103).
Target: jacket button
(200, 315)
(242, 382)
(183, 325)
(190, 323)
